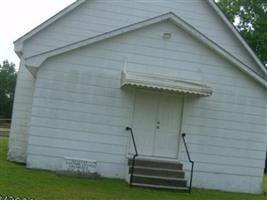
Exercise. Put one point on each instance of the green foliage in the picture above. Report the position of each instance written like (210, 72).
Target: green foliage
(250, 17)
(8, 78)
(16, 180)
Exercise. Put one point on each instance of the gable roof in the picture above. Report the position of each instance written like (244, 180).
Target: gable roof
(19, 42)
(34, 62)
(46, 23)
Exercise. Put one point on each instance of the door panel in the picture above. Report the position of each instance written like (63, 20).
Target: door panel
(156, 123)
(168, 125)
(145, 113)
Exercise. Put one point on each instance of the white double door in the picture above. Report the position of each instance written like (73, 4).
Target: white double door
(156, 123)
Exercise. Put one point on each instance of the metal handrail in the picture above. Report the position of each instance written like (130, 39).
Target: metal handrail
(135, 155)
(5, 120)
(191, 161)
(5, 123)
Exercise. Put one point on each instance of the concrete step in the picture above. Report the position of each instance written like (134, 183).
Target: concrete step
(175, 165)
(158, 172)
(157, 180)
(183, 189)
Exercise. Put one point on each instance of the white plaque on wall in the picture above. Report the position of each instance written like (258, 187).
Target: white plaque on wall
(83, 166)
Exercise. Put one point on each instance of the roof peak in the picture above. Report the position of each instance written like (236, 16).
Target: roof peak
(34, 62)
(20, 42)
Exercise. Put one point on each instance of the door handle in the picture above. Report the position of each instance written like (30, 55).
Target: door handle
(158, 125)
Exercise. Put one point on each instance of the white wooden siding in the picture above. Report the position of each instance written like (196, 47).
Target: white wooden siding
(80, 111)
(95, 17)
(21, 116)
(211, 181)
(98, 16)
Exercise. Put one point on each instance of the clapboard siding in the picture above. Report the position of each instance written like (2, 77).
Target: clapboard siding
(106, 86)
(76, 107)
(53, 162)
(83, 98)
(226, 118)
(80, 111)
(21, 116)
(226, 152)
(95, 17)
(222, 142)
(214, 168)
(46, 112)
(49, 151)
(156, 63)
(80, 108)
(203, 178)
(77, 145)
(225, 133)
(77, 125)
(231, 124)
(104, 138)
(167, 70)
(216, 78)
(238, 117)
(235, 108)
(79, 60)
(81, 117)
(225, 160)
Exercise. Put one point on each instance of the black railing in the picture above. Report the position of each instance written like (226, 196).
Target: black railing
(191, 161)
(265, 169)
(135, 155)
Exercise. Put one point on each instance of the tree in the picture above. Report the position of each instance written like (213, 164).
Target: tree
(8, 78)
(250, 19)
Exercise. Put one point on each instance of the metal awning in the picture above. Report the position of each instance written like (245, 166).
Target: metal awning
(164, 83)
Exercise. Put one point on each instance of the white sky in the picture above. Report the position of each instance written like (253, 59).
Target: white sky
(17, 17)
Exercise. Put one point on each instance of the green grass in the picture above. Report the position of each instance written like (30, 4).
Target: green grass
(16, 180)
(265, 184)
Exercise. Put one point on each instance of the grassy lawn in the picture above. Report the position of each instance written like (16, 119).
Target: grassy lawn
(16, 180)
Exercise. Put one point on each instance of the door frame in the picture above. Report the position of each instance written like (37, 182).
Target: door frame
(179, 132)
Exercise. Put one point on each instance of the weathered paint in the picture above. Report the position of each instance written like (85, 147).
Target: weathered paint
(79, 109)
(76, 108)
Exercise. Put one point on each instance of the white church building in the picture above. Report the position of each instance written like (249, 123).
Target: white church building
(160, 68)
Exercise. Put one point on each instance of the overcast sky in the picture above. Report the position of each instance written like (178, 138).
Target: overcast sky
(17, 17)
